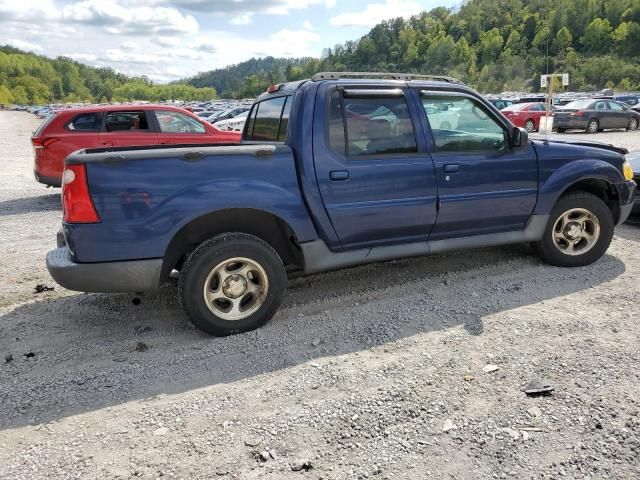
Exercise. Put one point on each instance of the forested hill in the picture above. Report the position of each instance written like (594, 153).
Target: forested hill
(493, 45)
(27, 78)
(240, 80)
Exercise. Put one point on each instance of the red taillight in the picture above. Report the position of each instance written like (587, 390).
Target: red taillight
(42, 143)
(579, 113)
(77, 205)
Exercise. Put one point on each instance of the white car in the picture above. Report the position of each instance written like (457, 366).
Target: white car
(235, 124)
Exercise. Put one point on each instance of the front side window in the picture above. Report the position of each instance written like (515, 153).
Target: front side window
(86, 122)
(616, 106)
(126, 121)
(375, 125)
(460, 124)
(177, 122)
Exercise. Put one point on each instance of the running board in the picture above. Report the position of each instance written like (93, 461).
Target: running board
(318, 258)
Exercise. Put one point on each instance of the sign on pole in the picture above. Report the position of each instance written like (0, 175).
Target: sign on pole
(565, 79)
(543, 81)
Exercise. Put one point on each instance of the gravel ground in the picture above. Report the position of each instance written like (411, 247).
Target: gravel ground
(410, 369)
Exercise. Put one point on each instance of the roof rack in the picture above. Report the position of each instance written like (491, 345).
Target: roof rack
(385, 75)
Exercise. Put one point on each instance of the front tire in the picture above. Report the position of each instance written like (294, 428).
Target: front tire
(232, 283)
(579, 231)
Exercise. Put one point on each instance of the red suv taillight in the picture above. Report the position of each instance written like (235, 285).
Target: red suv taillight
(77, 205)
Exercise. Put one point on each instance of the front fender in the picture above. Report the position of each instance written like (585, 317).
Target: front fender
(570, 174)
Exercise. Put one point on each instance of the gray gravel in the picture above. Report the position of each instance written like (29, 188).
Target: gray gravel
(411, 369)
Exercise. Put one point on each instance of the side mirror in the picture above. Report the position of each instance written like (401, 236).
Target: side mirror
(519, 137)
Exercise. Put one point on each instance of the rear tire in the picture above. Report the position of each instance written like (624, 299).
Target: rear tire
(633, 124)
(232, 283)
(579, 231)
(530, 126)
(593, 126)
(562, 130)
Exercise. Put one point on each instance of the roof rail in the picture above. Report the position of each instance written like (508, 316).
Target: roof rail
(384, 75)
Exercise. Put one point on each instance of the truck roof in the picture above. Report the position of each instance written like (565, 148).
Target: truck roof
(365, 77)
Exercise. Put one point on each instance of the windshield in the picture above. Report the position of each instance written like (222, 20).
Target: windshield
(517, 106)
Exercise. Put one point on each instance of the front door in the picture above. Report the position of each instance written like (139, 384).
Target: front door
(128, 128)
(484, 185)
(620, 115)
(376, 180)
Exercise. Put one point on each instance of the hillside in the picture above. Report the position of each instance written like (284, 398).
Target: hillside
(27, 78)
(493, 45)
(237, 80)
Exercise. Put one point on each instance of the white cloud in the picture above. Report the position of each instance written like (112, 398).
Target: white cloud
(376, 12)
(242, 19)
(22, 45)
(307, 24)
(26, 10)
(167, 41)
(118, 20)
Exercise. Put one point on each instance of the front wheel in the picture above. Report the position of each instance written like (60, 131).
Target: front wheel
(232, 283)
(579, 231)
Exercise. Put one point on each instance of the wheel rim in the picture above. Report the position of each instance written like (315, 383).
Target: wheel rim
(593, 126)
(576, 231)
(529, 126)
(236, 288)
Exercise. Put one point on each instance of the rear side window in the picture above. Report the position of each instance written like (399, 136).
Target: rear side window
(86, 122)
(128, 120)
(45, 123)
(269, 120)
(375, 125)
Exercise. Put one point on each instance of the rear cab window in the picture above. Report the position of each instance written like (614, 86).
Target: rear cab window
(268, 120)
(127, 121)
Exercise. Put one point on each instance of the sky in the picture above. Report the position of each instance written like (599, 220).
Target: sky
(172, 39)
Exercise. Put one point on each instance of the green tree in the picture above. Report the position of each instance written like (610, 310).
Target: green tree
(597, 36)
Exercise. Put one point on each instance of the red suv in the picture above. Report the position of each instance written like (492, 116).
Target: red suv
(116, 126)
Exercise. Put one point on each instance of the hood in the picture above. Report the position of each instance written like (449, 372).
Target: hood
(586, 143)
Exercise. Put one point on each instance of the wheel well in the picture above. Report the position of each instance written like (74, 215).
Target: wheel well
(263, 225)
(604, 190)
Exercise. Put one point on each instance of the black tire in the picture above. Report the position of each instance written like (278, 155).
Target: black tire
(211, 253)
(530, 126)
(633, 124)
(562, 130)
(590, 126)
(546, 248)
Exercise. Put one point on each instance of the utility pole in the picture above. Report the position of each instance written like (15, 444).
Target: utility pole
(547, 56)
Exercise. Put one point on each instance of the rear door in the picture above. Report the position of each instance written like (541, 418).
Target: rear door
(128, 128)
(376, 179)
(484, 185)
(604, 114)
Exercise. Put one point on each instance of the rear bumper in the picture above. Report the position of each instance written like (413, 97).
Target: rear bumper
(571, 122)
(129, 276)
(50, 181)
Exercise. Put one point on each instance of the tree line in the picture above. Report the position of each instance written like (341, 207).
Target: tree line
(26, 78)
(492, 45)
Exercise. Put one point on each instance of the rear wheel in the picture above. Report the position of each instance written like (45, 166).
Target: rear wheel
(530, 126)
(633, 124)
(592, 126)
(579, 231)
(562, 130)
(232, 283)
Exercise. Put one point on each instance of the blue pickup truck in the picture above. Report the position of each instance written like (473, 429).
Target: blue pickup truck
(339, 170)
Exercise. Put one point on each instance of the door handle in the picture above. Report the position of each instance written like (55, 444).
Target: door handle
(338, 175)
(451, 168)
